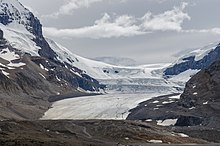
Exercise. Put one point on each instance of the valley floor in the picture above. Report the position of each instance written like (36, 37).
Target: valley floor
(89, 133)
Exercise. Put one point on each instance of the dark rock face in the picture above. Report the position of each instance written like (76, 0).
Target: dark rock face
(2, 40)
(188, 121)
(191, 63)
(202, 93)
(46, 50)
(4, 19)
(203, 87)
(1, 34)
(34, 25)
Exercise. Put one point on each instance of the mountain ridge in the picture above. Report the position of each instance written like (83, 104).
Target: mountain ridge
(196, 60)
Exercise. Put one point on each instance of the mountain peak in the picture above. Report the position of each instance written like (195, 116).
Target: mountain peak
(13, 12)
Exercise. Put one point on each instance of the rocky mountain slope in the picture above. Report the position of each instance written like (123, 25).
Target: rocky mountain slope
(31, 69)
(196, 109)
(202, 96)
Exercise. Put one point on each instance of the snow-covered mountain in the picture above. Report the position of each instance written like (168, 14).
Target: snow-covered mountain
(31, 70)
(126, 79)
(195, 60)
(14, 13)
(23, 32)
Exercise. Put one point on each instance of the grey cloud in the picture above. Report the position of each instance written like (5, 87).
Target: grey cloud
(169, 20)
(125, 25)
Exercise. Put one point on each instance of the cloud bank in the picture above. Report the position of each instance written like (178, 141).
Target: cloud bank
(124, 25)
(169, 20)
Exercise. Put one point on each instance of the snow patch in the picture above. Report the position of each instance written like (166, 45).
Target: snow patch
(42, 67)
(42, 75)
(175, 97)
(192, 108)
(16, 64)
(167, 102)
(6, 54)
(156, 101)
(155, 141)
(205, 102)
(126, 138)
(167, 122)
(58, 79)
(6, 73)
(182, 135)
(149, 120)
(195, 93)
(184, 76)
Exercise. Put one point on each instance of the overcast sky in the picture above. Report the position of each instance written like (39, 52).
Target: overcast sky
(149, 31)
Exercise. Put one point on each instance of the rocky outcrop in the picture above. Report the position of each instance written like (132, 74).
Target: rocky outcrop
(203, 88)
(201, 95)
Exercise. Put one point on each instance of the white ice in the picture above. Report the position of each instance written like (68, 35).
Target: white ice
(109, 106)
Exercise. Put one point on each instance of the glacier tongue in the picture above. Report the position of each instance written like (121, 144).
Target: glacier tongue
(109, 106)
